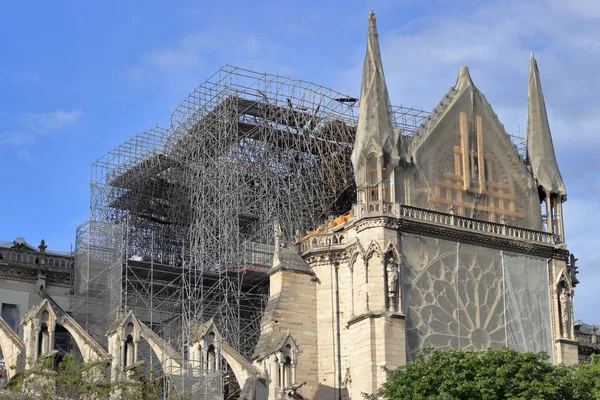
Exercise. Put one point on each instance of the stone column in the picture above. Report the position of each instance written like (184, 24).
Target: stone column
(44, 349)
(293, 377)
(130, 353)
(549, 227)
(123, 354)
(205, 359)
(135, 350)
(571, 319)
(50, 340)
(36, 341)
(281, 377)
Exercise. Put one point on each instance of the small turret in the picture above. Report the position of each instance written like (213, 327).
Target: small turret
(541, 156)
(375, 154)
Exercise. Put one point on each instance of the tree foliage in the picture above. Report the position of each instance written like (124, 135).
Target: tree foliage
(490, 375)
(73, 379)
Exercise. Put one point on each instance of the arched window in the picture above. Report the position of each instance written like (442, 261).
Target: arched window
(372, 177)
(129, 351)
(44, 337)
(387, 176)
(211, 358)
(129, 356)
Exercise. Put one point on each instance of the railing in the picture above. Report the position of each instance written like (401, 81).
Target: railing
(25, 257)
(322, 240)
(477, 225)
(587, 338)
(436, 217)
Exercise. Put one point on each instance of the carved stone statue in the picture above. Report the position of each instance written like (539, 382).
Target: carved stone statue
(278, 234)
(565, 311)
(392, 278)
(43, 246)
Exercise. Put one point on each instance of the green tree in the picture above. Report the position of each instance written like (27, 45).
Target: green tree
(585, 379)
(489, 375)
(74, 379)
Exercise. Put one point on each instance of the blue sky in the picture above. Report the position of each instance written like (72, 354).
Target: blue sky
(77, 79)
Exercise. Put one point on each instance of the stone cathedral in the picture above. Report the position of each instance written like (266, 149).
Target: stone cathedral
(454, 241)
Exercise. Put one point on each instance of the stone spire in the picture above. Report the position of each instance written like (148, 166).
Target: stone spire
(374, 131)
(540, 150)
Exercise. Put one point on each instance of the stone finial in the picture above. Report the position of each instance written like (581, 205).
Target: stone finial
(43, 246)
(278, 234)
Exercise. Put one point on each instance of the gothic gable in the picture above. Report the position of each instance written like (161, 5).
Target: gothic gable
(463, 161)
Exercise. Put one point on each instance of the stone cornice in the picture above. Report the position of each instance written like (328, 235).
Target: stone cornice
(284, 268)
(482, 239)
(372, 314)
(26, 274)
(328, 255)
(444, 231)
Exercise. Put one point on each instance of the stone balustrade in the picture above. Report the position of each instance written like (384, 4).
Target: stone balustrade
(322, 240)
(477, 225)
(588, 339)
(419, 214)
(19, 256)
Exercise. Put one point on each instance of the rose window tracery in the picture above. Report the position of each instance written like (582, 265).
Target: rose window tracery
(456, 301)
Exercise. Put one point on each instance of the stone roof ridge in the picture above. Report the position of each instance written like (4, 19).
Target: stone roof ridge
(290, 259)
(119, 321)
(540, 148)
(586, 328)
(439, 110)
(201, 330)
(278, 340)
(374, 131)
(21, 241)
(33, 311)
(53, 304)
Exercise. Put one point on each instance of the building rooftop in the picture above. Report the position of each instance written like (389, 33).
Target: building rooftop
(22, 244)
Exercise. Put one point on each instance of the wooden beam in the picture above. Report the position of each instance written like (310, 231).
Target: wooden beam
(480, 160)
(464, 142)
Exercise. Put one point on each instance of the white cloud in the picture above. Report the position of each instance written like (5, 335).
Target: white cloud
(23, 129)
(185, 54)
(50, 121)
(16, 139)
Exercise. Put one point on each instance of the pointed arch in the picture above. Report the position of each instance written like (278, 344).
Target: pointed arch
(373, 248)
(562, 277)
(392, 248)
(48, 314)
(128, 325)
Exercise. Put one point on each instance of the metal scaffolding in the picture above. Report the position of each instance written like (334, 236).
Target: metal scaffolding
(194, 204)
